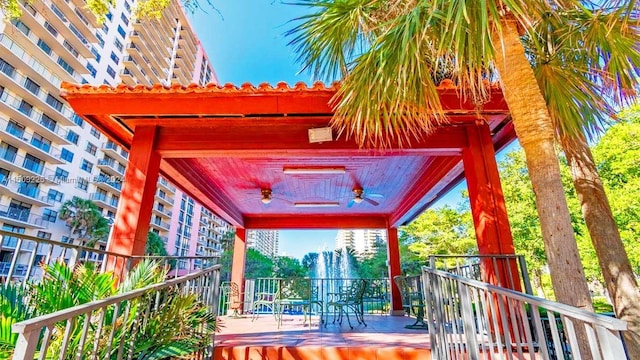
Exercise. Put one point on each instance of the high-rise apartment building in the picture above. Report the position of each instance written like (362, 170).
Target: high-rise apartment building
(362, 241)
(267, 242)
(47, 153)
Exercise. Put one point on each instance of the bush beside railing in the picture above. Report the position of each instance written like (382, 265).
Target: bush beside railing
(126, 324)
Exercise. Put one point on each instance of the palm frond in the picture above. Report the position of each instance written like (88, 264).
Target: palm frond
(329, 39)
(584, 62)
(390, 94)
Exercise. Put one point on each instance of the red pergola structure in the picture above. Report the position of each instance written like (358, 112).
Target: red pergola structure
(228, 147)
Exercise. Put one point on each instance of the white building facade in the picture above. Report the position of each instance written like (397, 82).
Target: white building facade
(48, 155)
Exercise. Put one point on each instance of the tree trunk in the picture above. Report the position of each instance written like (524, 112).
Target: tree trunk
(535, 131)
(614, 263)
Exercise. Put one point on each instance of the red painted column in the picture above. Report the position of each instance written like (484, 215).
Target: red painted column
(393, 256)
(138, 192)
(488, 208)
(237, 264)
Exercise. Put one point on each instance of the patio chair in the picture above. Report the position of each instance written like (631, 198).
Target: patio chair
(235, 303)
(297, 292)
(269, 300)
(350, 299)
(412, 301)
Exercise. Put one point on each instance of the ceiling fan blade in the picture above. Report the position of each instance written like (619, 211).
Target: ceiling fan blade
(375, 195)
(350, 204)
(372, 202)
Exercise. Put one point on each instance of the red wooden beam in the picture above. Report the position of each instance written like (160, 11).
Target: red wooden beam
(317, 221)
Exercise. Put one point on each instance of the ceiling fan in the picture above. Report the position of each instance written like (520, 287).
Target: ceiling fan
(359, 196)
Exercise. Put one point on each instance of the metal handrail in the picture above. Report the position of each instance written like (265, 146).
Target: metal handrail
(471, 318)
(50, 250)
(470, 266)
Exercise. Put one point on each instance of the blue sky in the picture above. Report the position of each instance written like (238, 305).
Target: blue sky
(245, 42)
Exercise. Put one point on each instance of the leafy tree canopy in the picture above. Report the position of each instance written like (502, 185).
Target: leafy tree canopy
(85, 221)
(155, 245)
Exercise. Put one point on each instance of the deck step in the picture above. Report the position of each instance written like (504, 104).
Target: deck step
(275, 352)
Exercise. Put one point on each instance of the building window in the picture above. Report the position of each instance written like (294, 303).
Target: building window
(51, 29)
(32, 163)
(65, 65)
(127, 6)
(100, 40)
(86, 166)
(43, 45)
(25, 108)
(55, 103)
(82, 184)
(115, 57)
(111, 72)
(61, 174)
(118, 44)
(71, 49)
(91, 149)
(49, 215)
(73, 137)
(66, 240)
(32, 86)
(54, 195)
(66, 155)
(4, 176)
(96, 54)
(92, 70)
(124, 19)
(41, 142)
(44, 235)
(77, 120)
(11, 241)
(48, 122)
(15, 128)
(96, 134)
(121, 31)
(7, 68)
(21, 26)
(105, 28)
(109, 16)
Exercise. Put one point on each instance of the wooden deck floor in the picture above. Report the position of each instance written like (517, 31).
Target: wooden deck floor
(384, 338)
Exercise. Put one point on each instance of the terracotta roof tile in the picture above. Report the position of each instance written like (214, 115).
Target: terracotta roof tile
(70, 88)
(248, 88)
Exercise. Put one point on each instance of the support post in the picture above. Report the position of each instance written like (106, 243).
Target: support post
(138, 194)
(393, 258)
(237, 265)
(488, 209)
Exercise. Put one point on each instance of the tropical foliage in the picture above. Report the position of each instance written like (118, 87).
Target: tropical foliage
(85, 221)
(179, 325)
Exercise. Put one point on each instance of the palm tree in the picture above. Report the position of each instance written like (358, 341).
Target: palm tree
(84, 220)
(578, 67)
(384, 48)
(387, 53)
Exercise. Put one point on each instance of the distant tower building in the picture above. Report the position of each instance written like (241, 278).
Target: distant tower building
(362, 241)
(267, 242)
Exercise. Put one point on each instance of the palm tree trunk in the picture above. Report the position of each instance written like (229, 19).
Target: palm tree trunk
(535, 131)
(533, 126)
(614, 263)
